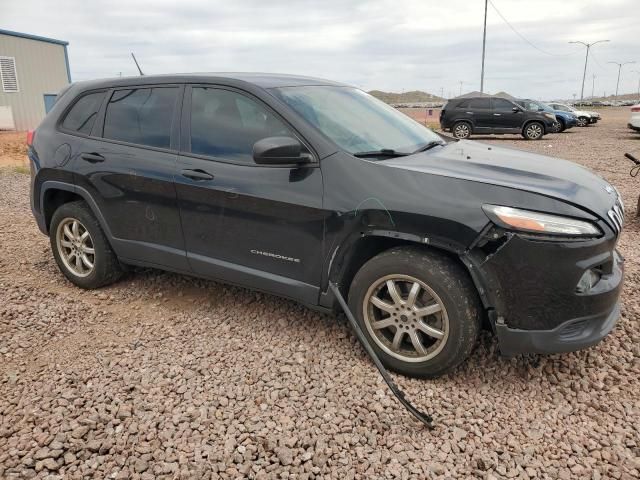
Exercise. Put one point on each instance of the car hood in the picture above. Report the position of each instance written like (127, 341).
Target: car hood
(509, 167)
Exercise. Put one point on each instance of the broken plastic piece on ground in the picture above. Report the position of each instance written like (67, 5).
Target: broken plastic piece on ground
(422, 417)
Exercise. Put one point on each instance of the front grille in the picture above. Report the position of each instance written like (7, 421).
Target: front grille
(616, 214)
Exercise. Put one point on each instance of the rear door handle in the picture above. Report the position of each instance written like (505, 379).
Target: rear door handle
(497, 114)
(92, 157)
(470, 113)
(197, 174)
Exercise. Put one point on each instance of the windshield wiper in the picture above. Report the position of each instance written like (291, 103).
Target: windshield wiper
(383, 152)
(428, 146)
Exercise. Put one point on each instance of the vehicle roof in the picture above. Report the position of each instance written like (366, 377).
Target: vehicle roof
(263, 80)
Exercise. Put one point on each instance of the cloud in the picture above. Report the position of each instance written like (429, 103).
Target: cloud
(381, 44)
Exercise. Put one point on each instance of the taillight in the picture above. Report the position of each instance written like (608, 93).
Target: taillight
(31, 134)
(635, 109)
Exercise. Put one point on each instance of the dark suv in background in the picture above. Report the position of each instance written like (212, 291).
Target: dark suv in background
(286, 184)
(464, 117)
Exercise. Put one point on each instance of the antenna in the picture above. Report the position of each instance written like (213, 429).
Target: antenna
(139, 69)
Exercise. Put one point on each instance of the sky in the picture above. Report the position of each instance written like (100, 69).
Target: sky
(391, 45)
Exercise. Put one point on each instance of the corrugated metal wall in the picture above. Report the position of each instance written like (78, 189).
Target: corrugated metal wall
(41, 68)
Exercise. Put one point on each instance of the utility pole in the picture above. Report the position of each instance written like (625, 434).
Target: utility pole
(484, 44)
(461, 82)
(586, 59)
(619, 69)
(441, 92)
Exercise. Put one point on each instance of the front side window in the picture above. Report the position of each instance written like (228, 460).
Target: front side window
(354, 120)
(143, 116)
(226, 124)
(502, 105)
(83, 114)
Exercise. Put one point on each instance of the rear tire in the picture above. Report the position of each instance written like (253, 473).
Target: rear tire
(583, 121)
(80, 247)
(533, 131)
(427, 322)
(461, 130)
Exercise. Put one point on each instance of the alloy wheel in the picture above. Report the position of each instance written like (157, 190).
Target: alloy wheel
(534, 131)
(406, 318)
(462, 131)
(582, 122)
(75, 247)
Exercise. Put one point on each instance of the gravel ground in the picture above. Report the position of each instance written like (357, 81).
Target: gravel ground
(163, 376)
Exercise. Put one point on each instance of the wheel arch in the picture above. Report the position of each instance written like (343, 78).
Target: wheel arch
(354, 252)
(534, 120)
(53, 194)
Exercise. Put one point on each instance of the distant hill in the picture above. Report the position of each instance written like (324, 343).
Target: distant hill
(415, 96)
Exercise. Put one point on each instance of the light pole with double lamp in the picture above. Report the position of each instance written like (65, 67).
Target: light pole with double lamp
(619, 69)
(586, 59)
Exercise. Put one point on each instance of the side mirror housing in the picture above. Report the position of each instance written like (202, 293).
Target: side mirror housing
(279, 151)
(516, 109)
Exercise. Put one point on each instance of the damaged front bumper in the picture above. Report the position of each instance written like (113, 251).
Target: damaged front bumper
(548, 296)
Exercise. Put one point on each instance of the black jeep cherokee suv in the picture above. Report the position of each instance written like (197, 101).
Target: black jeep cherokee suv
(482, 115)
(285, 184)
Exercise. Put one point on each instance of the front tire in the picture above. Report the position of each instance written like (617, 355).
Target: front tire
(418, 309)
(80, 247)
(533, 131)
(583, 121)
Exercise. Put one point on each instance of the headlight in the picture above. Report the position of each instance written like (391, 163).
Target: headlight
(550, 116)
(542, 223)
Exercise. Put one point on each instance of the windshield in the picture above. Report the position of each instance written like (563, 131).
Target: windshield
(535, 106)
(355, 120)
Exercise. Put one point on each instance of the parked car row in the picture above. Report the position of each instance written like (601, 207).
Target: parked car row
(532, 119)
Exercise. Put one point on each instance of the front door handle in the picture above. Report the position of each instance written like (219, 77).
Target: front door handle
(92, 157)
(497, 114)
(197, 174)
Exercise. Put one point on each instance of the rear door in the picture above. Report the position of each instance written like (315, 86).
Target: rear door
(253, 225)
(127, 165)
(504, 118)
(480, 112)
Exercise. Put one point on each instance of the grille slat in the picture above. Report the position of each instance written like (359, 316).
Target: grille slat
(616, 214)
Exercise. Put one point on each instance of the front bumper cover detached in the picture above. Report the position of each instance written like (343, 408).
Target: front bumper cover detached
(569, 336)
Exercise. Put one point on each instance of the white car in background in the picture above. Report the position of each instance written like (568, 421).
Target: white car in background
(584, 117)
(634, 121)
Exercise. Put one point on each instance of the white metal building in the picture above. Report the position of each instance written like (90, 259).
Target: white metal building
(33, 70)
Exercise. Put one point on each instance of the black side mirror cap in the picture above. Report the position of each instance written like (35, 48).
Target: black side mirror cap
(516, 109)
(279, 151)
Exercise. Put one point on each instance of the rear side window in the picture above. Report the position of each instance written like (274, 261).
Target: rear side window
(463, 104)
(83, 114)
(143, 116)
(480, 103)
(226, 124)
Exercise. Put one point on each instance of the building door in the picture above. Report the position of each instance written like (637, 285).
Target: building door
(49, 100)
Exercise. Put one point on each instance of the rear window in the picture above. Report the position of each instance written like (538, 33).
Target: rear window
(463, 104)
(83, 114)
(143, 116)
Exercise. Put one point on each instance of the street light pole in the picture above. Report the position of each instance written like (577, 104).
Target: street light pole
(619, 70)
(593, 85)
(461, 82)
(484, 44)
(586, 59)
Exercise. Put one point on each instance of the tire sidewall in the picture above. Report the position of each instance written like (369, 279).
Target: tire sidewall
(437, 274)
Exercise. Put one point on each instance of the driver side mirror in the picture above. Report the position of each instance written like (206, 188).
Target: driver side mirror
(279, 151)
(516, 109)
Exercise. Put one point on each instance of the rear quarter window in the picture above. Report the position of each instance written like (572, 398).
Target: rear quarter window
(82, 115)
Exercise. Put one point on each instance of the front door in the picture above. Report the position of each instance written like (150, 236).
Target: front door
(504, 117)
(254, 225)
(128, 165)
